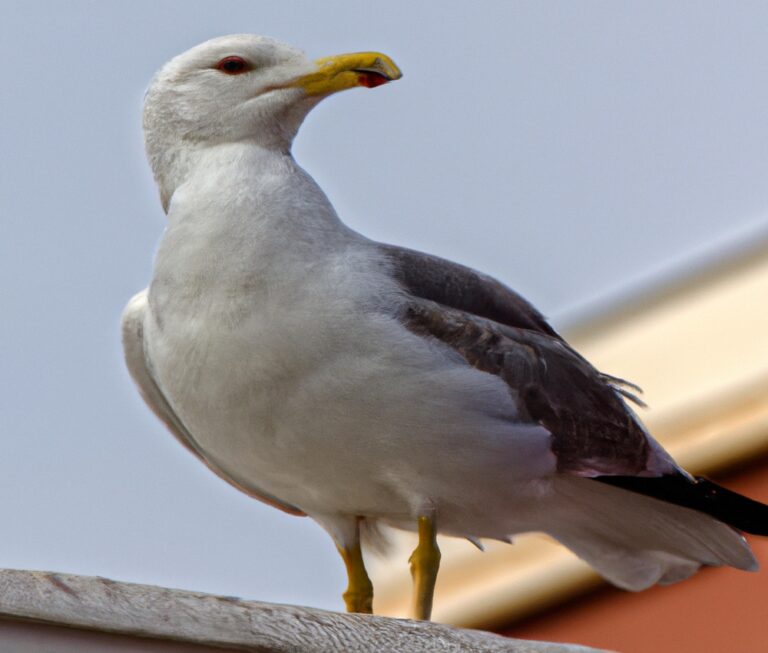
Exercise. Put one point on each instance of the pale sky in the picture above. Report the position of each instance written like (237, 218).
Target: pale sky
(573, 150)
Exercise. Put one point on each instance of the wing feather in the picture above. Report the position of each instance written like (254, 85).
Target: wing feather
(461, 287)
(458, 286)
(592, 430)
(498, 331)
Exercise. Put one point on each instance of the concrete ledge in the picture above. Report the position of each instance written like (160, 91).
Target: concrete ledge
(118, 614)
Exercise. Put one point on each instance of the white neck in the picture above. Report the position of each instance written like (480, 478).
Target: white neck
(175, 147)
(243, 205)
(242, 218)
(245, 182)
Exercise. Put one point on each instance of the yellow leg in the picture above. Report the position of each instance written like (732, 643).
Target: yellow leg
(359, 594)
(425, 562)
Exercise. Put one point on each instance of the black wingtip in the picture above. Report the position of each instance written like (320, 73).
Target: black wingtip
(700, 494)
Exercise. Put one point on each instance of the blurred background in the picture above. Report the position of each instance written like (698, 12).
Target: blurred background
(606, 159)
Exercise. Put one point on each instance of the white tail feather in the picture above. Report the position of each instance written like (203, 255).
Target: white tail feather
(636, 541)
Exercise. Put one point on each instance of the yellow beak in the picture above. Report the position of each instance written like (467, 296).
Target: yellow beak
(345, 71)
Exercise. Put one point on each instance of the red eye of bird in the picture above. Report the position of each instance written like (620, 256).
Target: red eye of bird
(232, 65)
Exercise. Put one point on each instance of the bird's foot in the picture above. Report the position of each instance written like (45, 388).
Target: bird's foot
(425, 562)
(359, 594)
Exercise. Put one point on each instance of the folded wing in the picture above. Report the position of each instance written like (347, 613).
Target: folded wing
(497, 331)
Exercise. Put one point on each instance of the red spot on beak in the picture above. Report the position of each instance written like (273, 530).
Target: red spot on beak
(371, 79)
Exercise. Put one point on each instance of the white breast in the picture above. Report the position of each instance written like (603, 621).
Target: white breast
(272, 332)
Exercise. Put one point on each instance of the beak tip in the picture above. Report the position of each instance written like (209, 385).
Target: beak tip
(340, 72)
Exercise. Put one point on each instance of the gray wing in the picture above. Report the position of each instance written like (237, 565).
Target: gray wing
(457, 286)
(135, 358)
(497, 331)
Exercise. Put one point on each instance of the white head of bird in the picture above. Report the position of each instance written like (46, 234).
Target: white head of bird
(242, 88)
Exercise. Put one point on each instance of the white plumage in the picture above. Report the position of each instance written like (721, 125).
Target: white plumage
(275, 343)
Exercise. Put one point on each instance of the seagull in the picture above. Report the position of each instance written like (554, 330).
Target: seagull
(364, 384)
